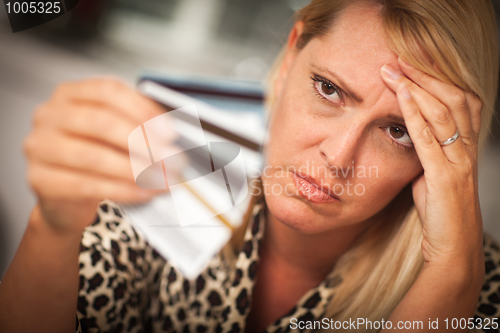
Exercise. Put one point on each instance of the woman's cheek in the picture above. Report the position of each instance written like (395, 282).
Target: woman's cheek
(380, 171)
(290, 138)
(389, 181)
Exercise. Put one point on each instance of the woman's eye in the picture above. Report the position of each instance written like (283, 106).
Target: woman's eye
(400, 135)
(327, 90)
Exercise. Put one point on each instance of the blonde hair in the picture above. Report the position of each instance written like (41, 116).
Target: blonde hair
(458, 37)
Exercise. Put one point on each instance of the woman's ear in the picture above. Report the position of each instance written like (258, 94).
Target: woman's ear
(289, 57)
(295, 34)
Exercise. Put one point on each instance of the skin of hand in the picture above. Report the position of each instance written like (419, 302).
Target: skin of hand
(446, 194)
(78, 150)
(77, 155)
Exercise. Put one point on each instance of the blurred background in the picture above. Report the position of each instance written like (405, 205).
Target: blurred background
(124, 38)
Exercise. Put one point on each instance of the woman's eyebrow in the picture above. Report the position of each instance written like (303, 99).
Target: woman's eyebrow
(341, 82)
(396, 118)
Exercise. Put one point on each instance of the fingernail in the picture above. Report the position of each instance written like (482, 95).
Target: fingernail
(390, 73)
(405, 92)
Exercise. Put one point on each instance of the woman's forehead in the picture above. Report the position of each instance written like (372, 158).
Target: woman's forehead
(359, 33)
(355, 49)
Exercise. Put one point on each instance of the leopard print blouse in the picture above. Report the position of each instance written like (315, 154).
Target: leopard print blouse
(125, 286)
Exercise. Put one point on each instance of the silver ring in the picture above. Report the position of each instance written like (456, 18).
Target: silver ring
(450, 140)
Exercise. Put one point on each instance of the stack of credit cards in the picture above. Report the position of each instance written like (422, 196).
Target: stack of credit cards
(203, 152)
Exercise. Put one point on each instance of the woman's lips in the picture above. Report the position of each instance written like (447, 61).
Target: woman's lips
(311, 191)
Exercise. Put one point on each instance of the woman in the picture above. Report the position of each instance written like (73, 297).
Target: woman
(400, 89)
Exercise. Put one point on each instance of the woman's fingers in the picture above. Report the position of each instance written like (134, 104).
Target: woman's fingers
(476, 106)
(437, 115)
(78, 151)
(428, 149)
(464, 108)
(53, 183)
(85, 126)
(91, 122)
(111, 93)
(80, 154)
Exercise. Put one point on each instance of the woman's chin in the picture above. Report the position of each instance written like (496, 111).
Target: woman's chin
(299, 214)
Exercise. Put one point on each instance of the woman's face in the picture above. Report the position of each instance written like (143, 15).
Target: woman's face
(337, 126)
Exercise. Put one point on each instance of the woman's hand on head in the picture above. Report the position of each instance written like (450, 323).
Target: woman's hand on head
(446, 194)
(78, 150)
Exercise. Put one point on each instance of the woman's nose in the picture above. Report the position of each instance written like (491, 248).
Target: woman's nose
(339, 150)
